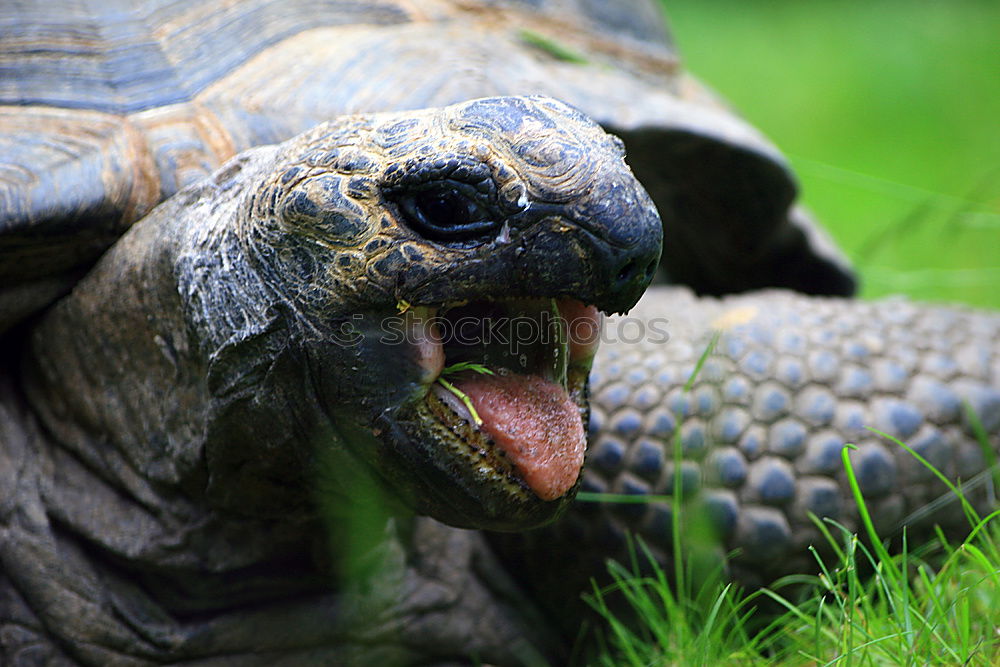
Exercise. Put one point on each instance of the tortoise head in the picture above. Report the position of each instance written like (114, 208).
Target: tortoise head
(445, 271)
(332, 290)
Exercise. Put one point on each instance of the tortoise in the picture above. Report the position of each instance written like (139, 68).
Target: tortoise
(166, 425)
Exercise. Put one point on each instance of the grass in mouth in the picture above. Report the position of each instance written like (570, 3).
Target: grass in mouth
(461, 395)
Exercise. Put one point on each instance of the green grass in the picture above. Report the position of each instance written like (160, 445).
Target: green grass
(937, 605)
(890, 113)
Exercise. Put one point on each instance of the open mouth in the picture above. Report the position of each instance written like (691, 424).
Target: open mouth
(506, 385)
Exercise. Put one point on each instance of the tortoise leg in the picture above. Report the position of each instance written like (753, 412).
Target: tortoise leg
(790, 381)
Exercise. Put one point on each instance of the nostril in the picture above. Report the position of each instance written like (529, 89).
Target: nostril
(627, 272)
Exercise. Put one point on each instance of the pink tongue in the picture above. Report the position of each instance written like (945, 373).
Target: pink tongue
(536, 425)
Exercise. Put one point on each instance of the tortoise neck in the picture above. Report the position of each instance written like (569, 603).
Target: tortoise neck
(120, 376)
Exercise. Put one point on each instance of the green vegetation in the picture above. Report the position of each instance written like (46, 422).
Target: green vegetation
(551, 47)
(890, 113)
(462, 396)
(944, 611)
(938, 604)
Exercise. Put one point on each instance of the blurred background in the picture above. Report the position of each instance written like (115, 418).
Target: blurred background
(890, 113)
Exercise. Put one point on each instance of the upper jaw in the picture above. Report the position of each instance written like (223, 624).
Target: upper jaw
(553, 257)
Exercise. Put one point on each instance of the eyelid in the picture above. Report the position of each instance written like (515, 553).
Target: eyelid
(409, 207)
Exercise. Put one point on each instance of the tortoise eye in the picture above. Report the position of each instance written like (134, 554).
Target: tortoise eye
(448, 208)
(443, 213)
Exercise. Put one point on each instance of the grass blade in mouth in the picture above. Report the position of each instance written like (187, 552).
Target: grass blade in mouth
(458, 368)
(465, 366)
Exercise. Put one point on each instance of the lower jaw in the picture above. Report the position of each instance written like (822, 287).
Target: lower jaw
(459, 443)
(436, 464)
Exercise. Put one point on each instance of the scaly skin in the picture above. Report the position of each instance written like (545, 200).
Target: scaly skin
(791, 380)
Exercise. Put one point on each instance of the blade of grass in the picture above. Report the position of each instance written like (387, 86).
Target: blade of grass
(866, 519)
(462, 396)
(702, 359)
